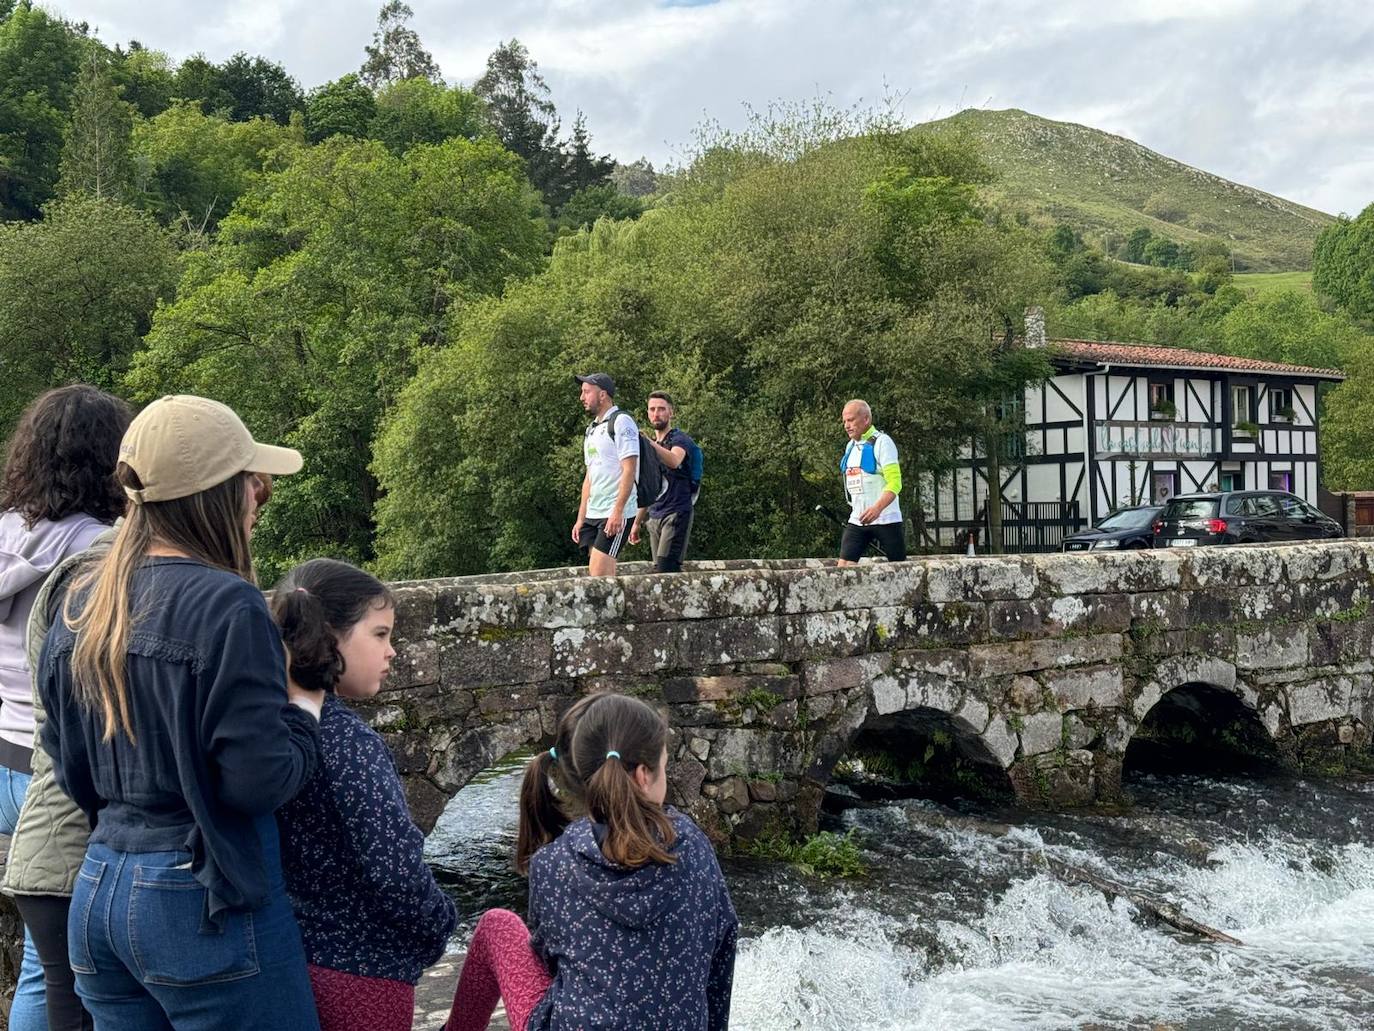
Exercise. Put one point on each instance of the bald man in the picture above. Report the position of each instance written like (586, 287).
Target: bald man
(872, 482)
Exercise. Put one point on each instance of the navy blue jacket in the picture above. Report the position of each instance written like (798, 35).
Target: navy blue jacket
(355, 870)
(217, 745)
(630, 949)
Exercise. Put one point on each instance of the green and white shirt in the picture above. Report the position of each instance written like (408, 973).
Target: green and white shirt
(603, 455)
(863, 489)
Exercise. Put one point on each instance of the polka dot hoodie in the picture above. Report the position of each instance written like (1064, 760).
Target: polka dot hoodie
(631, 949)
(365, 900)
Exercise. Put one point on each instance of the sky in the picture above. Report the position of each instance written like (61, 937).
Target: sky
(1274, 94)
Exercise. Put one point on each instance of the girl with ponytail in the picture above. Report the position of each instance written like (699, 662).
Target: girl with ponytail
(630, 922)
(369, 909)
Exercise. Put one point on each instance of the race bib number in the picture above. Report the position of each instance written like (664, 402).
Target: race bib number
(854, 485)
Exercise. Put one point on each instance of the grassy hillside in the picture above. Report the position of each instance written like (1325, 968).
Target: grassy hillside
(1105, 186)
(1268, 282)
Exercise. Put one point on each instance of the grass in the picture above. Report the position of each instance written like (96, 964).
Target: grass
(1262, 283)
(1105, 186)
(826, 854)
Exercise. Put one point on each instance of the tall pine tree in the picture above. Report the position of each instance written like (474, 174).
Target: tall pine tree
(97, 158)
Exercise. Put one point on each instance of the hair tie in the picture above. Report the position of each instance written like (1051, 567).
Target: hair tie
(612, 755)
(301, 590)
(553, 753)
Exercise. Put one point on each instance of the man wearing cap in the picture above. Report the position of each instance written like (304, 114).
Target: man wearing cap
(610, 451)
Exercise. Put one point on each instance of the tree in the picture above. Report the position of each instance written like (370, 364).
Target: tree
(1162, 252)
(414, 111)
(145, 79)
(605, 201)
(39, 58)
(317, 297)
(584, 169)
(97, 157)
(521, 111)
(259, 88)
(1343, 264)
(344, 107)
(1136, 243)
(396, 53)
(77, 292)
(637, 179)
(1288, 326)
(198, 79)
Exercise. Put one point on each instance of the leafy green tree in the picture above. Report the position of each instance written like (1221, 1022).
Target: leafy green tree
(605, 201)
(521, 111)
(1136, 243)
(1162, 252)
(584, 168)
(258, 88)
(396, 53)
(194, 166)
(1289, 326)
(1343, 264)
(1347, 429)
(344, 107)
(198, 79)
(97, 158)
(417, 110)
(39, 57)
(145, 78)
(77, 292)
(321, 290)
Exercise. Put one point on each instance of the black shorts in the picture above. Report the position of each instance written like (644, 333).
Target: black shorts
(593, 535)
(891, 537)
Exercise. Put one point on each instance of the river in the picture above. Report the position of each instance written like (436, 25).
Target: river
(954, 928)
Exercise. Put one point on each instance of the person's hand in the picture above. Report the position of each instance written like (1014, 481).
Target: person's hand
(577, 533)
(634, 532)
(614, 522)
(869, 514)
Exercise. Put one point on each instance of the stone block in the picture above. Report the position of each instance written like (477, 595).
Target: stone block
(724, 688)
(731, 795)
(1041, 732)
(846, 587)
(1160, 610)
(1024, 695)
(992, 660)
(1324, 561)
(1175, 671)
(1210, 608)
(763, 791)
(625, 648)
(1284, 646)
(974, 712)
(1109, 573)
(1332, 642)
(416, 664)
(932, 691)
(737, 752)
(1271, 603)
(415, 613)
(1098, 686)
(988, 578)
(889, 695)
(932, 626)
(494, 700)
(1346, 599)
(463, 607)
(495, 657)
(822, 676)
(945, 662)
(650, 599)
(825, 634)
(685, 777)
(1000, 741)
(1227, 568)
(714, 642)
(581, 602)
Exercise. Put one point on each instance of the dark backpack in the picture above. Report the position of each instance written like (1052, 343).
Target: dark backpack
(650, 483)
(696, 463)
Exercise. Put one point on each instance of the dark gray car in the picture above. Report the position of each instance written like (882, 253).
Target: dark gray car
(1240, 517)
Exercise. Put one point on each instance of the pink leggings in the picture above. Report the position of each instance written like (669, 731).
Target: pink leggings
(350, 1002)
(500, 965)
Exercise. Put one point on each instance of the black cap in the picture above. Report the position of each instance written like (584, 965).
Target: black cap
(598, 379)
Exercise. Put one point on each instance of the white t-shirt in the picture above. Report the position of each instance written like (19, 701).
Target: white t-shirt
(864, 489)
(603, 455)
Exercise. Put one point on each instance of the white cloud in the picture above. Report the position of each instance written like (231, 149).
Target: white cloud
(1277, 96)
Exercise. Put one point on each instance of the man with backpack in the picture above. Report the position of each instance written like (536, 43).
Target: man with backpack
(670, 517)
(611, 451)
(872, 483)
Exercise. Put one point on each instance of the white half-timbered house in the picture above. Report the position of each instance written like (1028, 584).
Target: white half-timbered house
(1128, 424)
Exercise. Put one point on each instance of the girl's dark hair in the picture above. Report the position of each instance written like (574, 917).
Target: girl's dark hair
(551, 795)
(315, 604)
(637, 830)
(62, 454)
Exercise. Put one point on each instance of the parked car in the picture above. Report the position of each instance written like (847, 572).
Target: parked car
(1124, 528)
(1240, 517)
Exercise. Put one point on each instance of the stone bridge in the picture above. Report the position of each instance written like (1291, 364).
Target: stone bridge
(1044, 667)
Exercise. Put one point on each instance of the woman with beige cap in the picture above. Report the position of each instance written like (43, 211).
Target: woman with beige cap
(170, 724)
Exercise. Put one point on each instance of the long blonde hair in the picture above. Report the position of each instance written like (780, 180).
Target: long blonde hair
(208, 526)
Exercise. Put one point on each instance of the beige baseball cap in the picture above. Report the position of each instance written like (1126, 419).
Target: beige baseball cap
(181, 445)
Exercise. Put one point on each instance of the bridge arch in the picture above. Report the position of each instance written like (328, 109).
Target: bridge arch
(1204, 727)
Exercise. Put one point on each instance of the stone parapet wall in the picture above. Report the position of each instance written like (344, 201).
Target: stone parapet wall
(768, 670)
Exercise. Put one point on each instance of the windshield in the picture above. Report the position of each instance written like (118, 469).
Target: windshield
(1129, 519)
(1200, 508)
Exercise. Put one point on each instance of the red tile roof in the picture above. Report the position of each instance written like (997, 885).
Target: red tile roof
(1178, 357)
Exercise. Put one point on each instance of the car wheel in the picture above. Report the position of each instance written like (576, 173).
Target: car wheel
(1137, 545)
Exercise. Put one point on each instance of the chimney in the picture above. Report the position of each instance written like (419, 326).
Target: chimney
(1035, 326)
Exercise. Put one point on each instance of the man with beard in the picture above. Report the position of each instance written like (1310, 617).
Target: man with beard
(610, 450)
(670, 517)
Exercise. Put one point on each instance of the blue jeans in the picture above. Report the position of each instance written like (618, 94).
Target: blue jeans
(147, 957)
(29, 1011)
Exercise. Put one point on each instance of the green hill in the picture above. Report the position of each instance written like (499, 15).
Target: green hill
(1106, 186)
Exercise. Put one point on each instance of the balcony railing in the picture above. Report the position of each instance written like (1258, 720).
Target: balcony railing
(1141, 439)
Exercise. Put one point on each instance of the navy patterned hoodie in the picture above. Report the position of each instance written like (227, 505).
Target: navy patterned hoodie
(630, 949)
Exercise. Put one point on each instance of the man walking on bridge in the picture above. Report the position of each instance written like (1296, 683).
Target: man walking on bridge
(610, 450)
(670, 517)
(872, 482)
